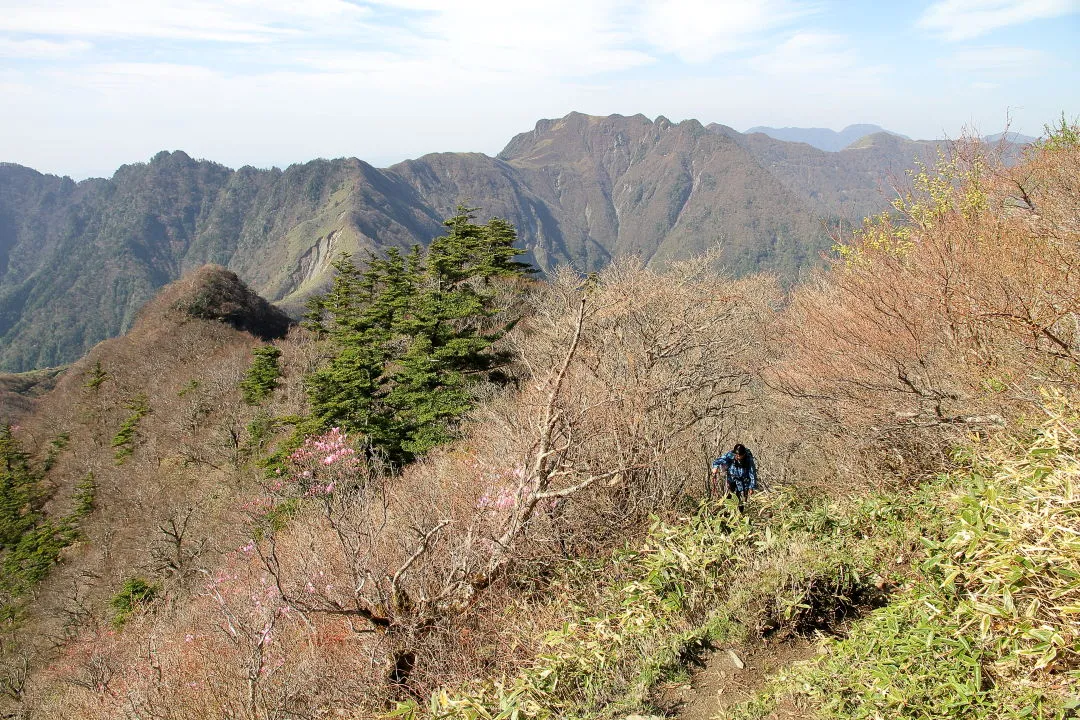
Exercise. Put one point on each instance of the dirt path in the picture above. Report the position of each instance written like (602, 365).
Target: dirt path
(721, 683)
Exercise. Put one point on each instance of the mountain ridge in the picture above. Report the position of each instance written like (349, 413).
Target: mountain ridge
(823, 138)
(77, 260)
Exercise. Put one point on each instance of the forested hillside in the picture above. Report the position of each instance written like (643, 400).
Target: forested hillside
(78, 260)
(456, 491)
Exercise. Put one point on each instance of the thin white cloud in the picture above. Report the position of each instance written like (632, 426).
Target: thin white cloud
(966, 19)
(809, 53)
(153, 71)
(997, 61)
(571, 37)
(560, 37)
(475, 44)
(234, 21)
(38, 49)
(697, 31)
(13, 83)
(592, 36)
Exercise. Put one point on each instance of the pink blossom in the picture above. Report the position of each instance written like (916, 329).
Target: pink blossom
(501, 499)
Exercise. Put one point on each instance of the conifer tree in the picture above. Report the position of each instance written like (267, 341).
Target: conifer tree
(407, 336)
(262, 375)
(19, 491)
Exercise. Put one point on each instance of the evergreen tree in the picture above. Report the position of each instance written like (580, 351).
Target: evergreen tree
(408, 336)
(359, 316)
(20, 494)
(262, 376)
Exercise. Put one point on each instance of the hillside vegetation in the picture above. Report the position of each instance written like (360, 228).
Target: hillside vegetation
(458, 493)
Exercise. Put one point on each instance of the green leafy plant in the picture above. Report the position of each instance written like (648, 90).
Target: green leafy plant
(21, 496)
(713, 576)
(30, 542)
(1061, 136)
(135, 593)
(56, 446)
(190, 387)
(85, 490)
(988, 628)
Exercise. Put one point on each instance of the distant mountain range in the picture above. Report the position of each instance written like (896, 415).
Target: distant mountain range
(78, 260)
(832, 141)
(823, 138)
(1011, 137)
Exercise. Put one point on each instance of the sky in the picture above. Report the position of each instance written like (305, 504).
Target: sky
(88, 85)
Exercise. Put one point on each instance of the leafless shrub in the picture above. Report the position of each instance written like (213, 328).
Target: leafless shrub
(939, 322)
(625, 373)
(177, 548)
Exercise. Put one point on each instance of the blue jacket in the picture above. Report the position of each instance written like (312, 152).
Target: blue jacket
(743, 477)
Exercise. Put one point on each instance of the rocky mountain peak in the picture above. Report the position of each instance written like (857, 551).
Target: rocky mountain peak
(215, 293)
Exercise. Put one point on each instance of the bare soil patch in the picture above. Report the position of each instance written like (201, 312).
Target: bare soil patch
(720, 683)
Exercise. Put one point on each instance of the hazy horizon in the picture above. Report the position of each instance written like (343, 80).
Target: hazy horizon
(94, 84)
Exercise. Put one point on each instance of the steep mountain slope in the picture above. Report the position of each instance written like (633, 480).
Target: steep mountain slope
(88, 256)
(19, 391)
(279, 230)
(849, 184)
(77, 260)
(660, 190)
(172, 383)
(82, 259)
(323, 588)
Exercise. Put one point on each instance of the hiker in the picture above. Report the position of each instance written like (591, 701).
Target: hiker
(741, 473)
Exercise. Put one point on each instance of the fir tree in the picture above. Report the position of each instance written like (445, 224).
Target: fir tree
(408, 336)
(262, 375)
(20, 495)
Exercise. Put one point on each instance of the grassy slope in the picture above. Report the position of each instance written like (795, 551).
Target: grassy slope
(982, 621)
(989, 624)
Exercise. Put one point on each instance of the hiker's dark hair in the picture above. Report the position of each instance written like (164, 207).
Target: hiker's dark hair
(740, 449)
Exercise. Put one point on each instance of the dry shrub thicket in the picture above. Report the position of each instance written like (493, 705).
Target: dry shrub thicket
(624, 374)
(356, 587)
(940, 320)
